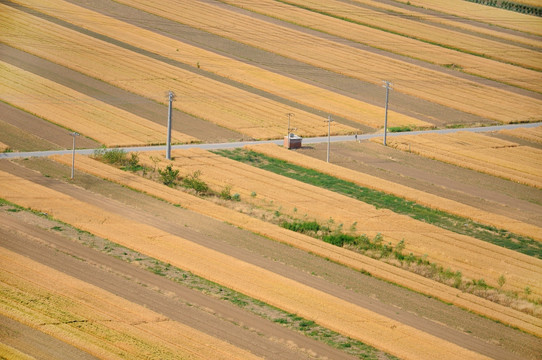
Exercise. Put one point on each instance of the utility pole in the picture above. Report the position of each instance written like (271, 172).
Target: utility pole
(289, 128)
(387, 86)
(74, 134)
(328, 134)
(171, 97)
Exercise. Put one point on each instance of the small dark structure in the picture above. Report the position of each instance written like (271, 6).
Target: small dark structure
(293, 141)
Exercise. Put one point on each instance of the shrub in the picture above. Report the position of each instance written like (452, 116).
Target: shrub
(194, 182)
(169, 176)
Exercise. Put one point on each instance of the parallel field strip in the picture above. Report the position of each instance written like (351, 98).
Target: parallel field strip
(426, 36)
(300, 92)
(405, 192)
(340, 255)
(97, 321)
(431, 85)
(533, 134)
(327, 310)
(475, 258)
(481, 13)
(506, 159)
(222, 104)
(73, 110)
(440, 17)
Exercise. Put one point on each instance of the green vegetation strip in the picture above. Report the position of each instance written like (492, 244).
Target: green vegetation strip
(185, 278)
(457, 224)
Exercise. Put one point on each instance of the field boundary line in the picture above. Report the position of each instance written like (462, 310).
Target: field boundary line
(418, 196)
(342, 256)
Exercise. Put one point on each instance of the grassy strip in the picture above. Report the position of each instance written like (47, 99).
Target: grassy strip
(194, 282)
(457, 224)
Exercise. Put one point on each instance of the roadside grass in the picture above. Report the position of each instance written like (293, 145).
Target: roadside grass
(457, 224)
(185, 278)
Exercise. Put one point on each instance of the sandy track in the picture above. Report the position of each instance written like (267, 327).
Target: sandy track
(205, 313)
(446, 332)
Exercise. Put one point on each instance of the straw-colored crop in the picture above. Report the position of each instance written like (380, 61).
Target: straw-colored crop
(73, 110)
(274, 83)
(445, 89)
(340, 255)
(325, 309)
(417, 40)
(487, 14)
(420, 197)
(96, 321)
(522, 164)
(223, 104)
(8, 352)
(475, 259)
(533, 134)
(3, 147)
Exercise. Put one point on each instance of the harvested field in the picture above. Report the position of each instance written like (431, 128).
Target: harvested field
(532, 134)
(411, 38)
(405, 192)
(96, 321)
(337, 254)
(256, 116)
(299, 200)
(375, 330)
(487, 14)
(461, 94)
(276, 84)
(75, 111)
(479, 152)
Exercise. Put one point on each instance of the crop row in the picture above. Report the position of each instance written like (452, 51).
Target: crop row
(223, 104)
(274, 83)
(399, 36)
(325, 309)
(340, 255)
(420, 197)
(494, 16)
(428, 84)
(474, 258)
(531, 134)
(73, 110)
(96, 321)
(522, 164)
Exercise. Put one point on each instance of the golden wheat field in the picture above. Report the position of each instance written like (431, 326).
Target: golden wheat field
(487, 14)
(474, 258)
(256, 116)
(415, 29)
(444, 56)
(75, 111)
(99, 322)
(116, 256)
(340, 255)
(408, 193)
(531, 134)
(461, 94)
(479, 152)
(303, 93)
(335, 313)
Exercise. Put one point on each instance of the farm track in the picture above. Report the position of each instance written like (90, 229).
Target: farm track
(446, 332)
(205, 313)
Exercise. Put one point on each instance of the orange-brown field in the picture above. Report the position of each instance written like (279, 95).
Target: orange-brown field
(115, 264)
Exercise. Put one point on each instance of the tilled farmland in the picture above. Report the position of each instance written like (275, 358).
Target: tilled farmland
(426, 248)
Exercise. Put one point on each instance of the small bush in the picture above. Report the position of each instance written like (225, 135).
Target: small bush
(226, 193)
(169, 176)
(115, 156)
(194, 182)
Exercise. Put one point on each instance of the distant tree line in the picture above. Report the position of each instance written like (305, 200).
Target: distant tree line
(510, 5)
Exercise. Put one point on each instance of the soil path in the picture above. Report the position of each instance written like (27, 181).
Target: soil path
(210, 315)
(415, 310)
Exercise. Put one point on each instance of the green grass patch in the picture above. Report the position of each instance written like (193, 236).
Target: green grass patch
(457, 224)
